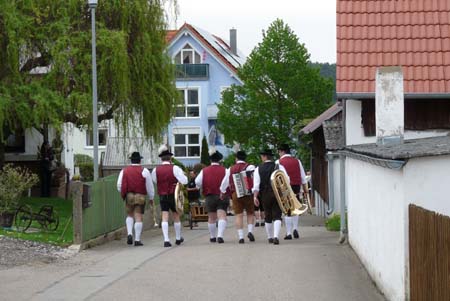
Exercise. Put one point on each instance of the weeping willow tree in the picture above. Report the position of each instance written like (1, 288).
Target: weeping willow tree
(45, 64)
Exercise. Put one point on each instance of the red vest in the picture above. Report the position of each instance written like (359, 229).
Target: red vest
(133, 181)
(293, 169)
(236, 168)
(165, 179)
(212, 178)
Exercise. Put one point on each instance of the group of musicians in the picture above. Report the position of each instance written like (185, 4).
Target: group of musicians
(217, 185)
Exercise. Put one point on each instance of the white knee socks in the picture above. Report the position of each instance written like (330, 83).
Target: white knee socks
(129, 222)
(222, 226)
(177, 230)
(269, 230)
(212, 230)
(288, 223)
(165, 230)
(277, 227)
(295, 221)
(137, 231)
(241, 233)
(250, 228)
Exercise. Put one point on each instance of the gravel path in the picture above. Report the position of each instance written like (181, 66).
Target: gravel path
(14, 252)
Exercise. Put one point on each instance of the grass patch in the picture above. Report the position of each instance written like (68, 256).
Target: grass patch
(64, 210)
(333, 223)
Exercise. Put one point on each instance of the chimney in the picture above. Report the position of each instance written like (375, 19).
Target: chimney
(389, 106)
(233, 41)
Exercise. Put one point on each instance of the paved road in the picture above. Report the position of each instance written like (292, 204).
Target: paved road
(315, 267)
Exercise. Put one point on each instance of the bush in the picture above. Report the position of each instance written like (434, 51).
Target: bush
(81, 158)
(14, 181)
(333, 223)
(86, 171)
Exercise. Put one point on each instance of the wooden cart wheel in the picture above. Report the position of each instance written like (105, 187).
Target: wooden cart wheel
(191, 225)
(51, 222)
(23, 218)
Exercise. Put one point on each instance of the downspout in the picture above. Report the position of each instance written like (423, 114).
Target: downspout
(343, 236)
(330, 156)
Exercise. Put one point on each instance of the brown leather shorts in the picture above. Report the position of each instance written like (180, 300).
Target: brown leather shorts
(135, 203)
(245, 202)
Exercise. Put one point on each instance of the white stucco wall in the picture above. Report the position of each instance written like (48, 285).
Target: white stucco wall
(377, 223)
(426, 183)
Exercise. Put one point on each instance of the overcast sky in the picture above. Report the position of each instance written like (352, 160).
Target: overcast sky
(313, 21)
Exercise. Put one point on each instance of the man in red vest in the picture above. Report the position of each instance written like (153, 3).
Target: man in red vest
(134, 183)
(166, 176)
(297, 177)
(244, 202)
(209, 180)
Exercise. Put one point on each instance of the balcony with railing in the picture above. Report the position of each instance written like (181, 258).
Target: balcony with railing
(192, 71)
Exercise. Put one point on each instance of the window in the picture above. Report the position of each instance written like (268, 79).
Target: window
(102, 135)
(15, 142)
(187, 55)
(186, 144)
(191, 107)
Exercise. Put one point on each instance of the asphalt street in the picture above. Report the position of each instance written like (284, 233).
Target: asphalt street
(314, 267)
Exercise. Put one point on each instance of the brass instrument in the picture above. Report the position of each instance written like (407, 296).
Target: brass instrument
(179, 198)
(287, 200)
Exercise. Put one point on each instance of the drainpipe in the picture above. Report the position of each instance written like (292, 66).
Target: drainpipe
(343, 236)
(330, 156)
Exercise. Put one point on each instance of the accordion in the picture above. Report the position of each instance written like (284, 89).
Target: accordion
(243, 183)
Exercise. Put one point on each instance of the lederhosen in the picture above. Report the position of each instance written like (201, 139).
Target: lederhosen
(271, 208)
(245, 202)
(166, 183)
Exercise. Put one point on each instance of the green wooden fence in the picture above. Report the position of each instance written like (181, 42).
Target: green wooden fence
(107, 211)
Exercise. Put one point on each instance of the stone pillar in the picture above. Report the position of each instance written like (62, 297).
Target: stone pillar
(389, 106)
(76, 194)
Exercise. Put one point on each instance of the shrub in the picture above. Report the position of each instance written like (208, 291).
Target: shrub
(204, 155)
(14, 181)
(333, 223)
(86, 171)
(81, 158)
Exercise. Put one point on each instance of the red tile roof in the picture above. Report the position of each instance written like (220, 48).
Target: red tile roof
(170, 34)
(414, 34)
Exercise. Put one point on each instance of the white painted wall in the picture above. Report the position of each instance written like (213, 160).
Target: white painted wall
(377, 223)
(426, 183)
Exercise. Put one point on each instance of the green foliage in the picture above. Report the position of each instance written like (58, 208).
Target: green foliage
(135, 73)
(82, 158)
(14, 181)
(204, 155)
(58, 237)
(329, 71)
(280, 91)
(179, 164)
(86, 171)
(333, 223)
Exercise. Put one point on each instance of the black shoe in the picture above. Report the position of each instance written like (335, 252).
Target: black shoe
(212, 239)
(276, 241)
(241, 241)
(130, 239)
(220, 240)
(263, 224)
(257, 225)
(250, 236)
(270, 240)
(137, 243)
(288, 237)
(296, 234)
(167, 244)
(179, 241)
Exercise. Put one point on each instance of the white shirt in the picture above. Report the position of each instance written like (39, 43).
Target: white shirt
(199, 178)
(177, 172)
(226, 179)
(302, 171)
(257, 179)
(148, 182)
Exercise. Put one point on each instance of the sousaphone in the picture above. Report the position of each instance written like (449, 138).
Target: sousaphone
(179, 198)
(285, 196)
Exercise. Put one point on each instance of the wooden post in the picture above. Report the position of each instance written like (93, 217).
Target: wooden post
(76, 194)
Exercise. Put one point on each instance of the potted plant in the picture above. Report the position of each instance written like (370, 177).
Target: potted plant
(14, 181)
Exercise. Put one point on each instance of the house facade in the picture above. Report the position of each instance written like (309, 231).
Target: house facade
(205, 66)
(393, 80)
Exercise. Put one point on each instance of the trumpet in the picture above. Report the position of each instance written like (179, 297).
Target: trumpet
(287, 200)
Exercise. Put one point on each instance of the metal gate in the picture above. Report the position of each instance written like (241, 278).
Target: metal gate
(429, 255)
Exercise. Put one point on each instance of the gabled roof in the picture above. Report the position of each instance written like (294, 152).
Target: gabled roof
(216, 45)
(414, 34)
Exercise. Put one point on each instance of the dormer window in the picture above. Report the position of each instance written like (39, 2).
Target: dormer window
(187, 55)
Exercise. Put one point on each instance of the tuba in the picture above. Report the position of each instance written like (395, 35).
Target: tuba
(285, 196)
(179, 198)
